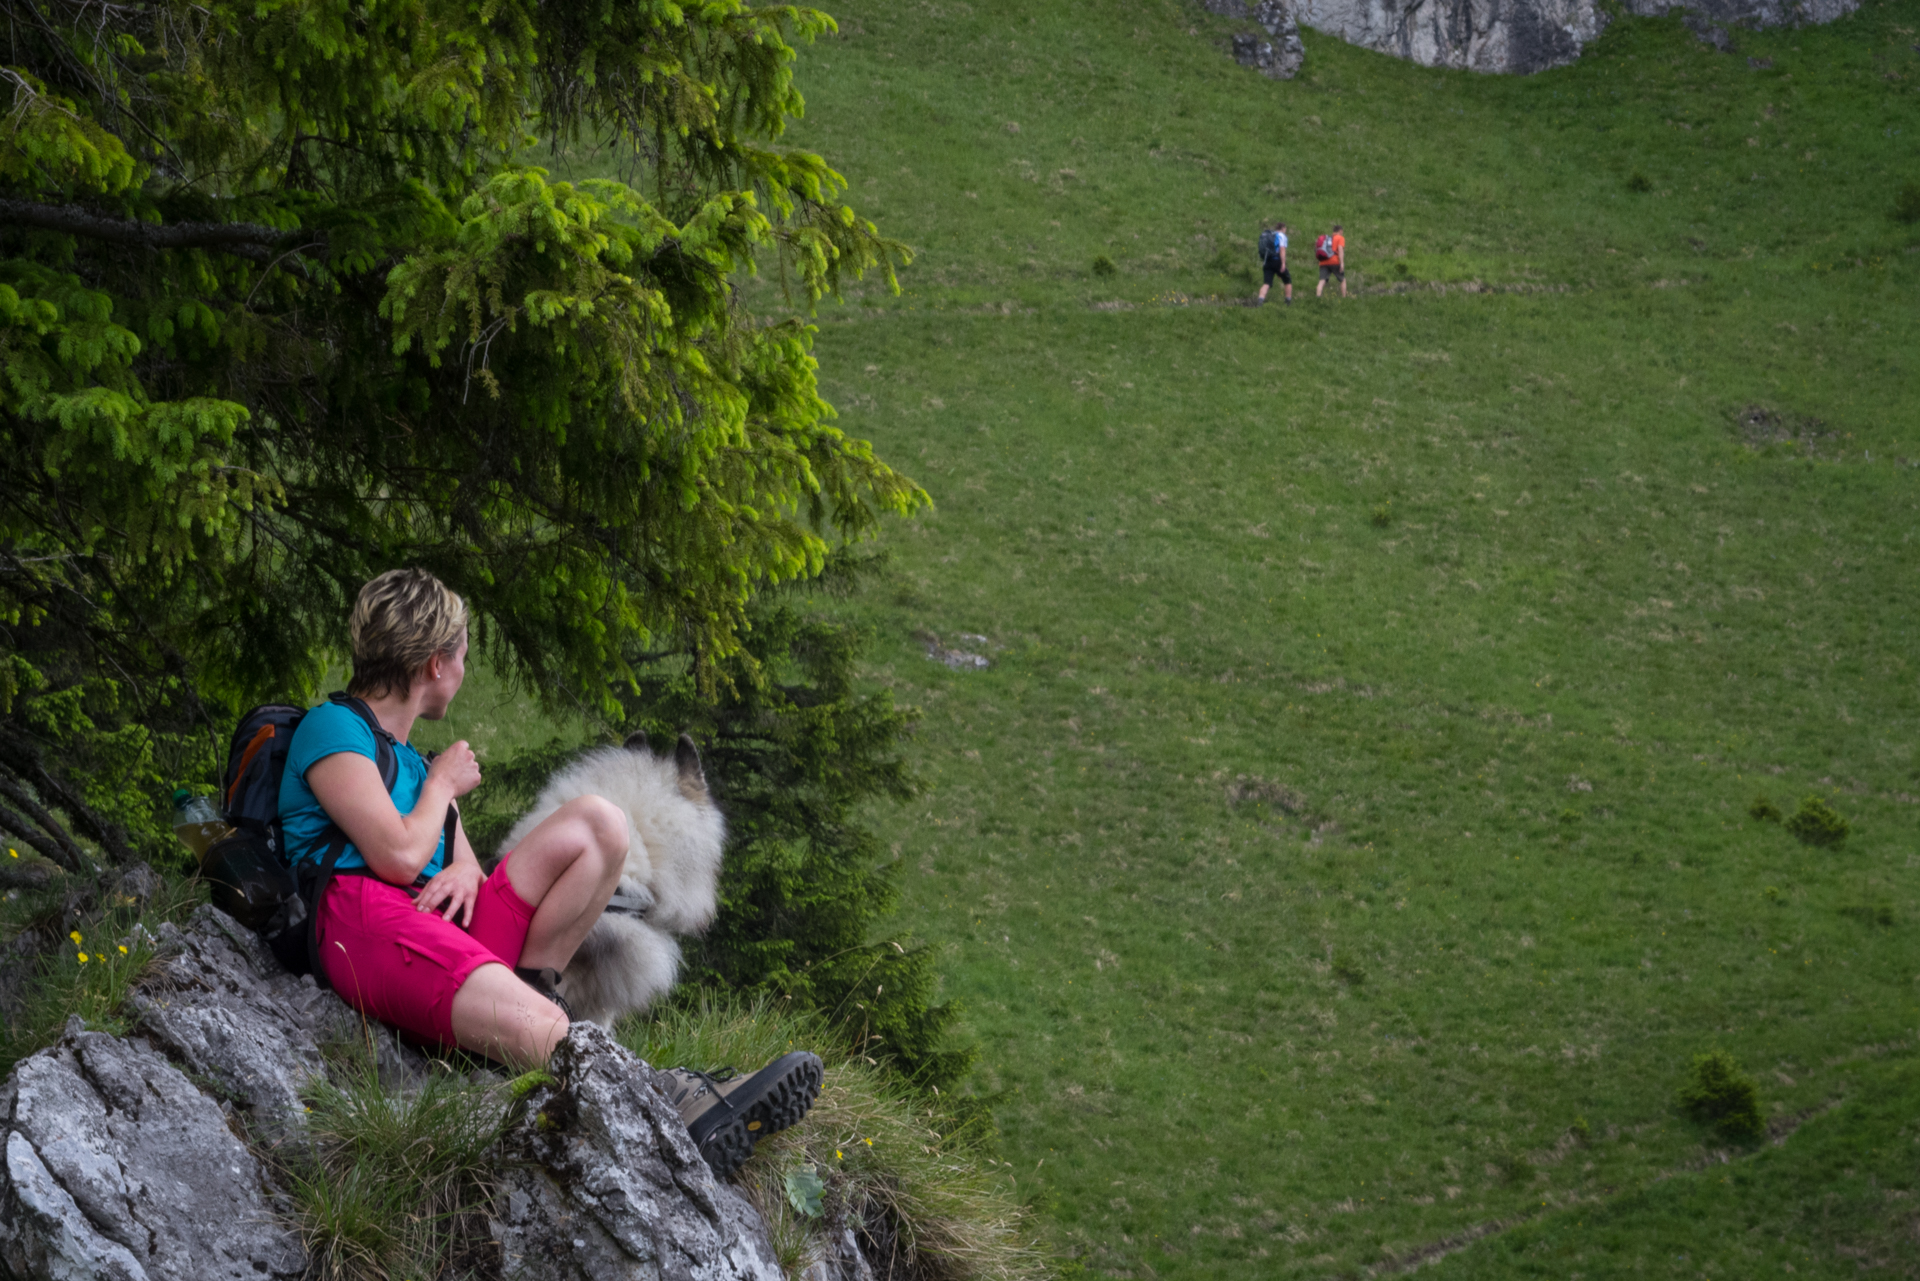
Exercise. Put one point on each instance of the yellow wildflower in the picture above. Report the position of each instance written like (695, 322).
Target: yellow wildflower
(75, 936)
(123, 952)
(838, 1155)
(14, 852)
(83, 958)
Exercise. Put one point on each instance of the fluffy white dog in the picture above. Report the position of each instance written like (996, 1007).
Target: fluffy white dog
(674, 839)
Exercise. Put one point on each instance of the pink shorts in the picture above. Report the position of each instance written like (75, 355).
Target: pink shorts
(402, 966)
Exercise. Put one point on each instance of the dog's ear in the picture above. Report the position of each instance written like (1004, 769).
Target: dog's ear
(693, 779)
(638, 743)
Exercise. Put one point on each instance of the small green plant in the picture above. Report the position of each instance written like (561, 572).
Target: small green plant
(1580, 1132)
(527, 1082)
(1765, 810)
(1569, 815)
(1346, 968)
(1906, 203)
(1818, 823)
(1382, 515)
(804, 1189)
(1773, 895)
(1639, 182)
(1875, 914)
(1103, 266)
(1513, 1167)
(1718, 1094)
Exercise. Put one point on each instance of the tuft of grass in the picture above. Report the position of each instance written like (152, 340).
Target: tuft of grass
(389, 1183)
(1764, 810)
(1874, 914)
(1103, 266)
(1347, 967)
(1717, 1093)
(1906, 203)
(1818, 823)
(1639, 182)
(914, 1178)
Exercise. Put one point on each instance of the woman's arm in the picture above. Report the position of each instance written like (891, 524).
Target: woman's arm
(396, 846)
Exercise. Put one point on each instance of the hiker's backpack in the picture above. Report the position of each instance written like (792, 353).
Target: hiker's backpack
(250, 872)
(1323, 248)
(1269, 246)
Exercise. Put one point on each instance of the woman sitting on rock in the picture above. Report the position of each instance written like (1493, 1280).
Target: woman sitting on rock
(411, 931)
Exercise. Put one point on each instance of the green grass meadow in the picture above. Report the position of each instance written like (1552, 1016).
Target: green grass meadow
(1348, 848)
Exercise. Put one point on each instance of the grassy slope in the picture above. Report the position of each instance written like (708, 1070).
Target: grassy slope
(1535, 703)
(1222, 1041)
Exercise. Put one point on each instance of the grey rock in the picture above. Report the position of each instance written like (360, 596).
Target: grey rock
(134, 886)
(1527, 35)
(117, 1166)
(841, 1259)
(606, 1184)
(221, 1006)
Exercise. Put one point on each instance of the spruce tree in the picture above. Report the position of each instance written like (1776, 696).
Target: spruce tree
(282, 306)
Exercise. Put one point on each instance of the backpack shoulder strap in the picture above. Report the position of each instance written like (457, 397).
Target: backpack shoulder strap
(383, 742)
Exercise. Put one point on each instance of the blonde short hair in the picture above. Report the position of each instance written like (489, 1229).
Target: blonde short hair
(402, 618)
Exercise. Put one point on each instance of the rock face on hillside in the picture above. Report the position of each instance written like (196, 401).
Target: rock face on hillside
(124, 1159)
(1519, 36)
(1278, 56)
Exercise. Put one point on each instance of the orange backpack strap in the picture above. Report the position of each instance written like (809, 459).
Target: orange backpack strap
(259, 740)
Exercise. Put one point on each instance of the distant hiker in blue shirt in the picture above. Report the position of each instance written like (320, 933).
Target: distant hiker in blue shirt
(1273, 262)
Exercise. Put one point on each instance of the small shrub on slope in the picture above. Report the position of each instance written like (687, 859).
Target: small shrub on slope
(1906, 204)
(914, 1183)
(1818, 823)
(1719, 1094)
(1764, 810)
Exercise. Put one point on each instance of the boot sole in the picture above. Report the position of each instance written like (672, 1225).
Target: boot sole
(775, 1097)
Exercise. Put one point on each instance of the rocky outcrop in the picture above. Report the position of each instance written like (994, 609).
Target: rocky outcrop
(606, 1185)
(1521, 36)
(1279, 54)
(119, 1167)
(124, 1158)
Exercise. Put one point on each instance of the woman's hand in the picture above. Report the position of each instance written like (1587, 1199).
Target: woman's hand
(456, 890)
(458, 768)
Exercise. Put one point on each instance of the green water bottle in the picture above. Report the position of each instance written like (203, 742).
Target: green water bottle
(196, 822)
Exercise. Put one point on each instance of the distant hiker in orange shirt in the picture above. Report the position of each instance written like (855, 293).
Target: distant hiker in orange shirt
(1330, 251)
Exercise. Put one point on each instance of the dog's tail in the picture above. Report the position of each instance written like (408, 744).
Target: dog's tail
(621, 967)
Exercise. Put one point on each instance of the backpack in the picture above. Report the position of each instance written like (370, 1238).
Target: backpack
(1269, 246)
(251, 875)
(1323, 248)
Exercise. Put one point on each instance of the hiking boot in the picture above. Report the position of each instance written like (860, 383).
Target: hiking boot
(547, 984)
(727, 1114)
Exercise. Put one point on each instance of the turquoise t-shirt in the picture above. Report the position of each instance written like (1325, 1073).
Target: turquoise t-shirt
(323, 731)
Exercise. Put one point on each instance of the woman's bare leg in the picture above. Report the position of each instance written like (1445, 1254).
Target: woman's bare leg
(567, 868)
(497, 1015)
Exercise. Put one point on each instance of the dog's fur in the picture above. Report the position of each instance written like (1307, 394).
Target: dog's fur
(674, 839)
